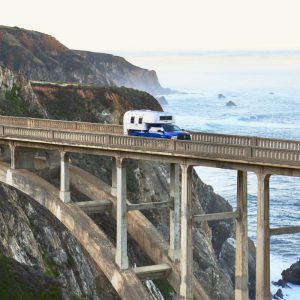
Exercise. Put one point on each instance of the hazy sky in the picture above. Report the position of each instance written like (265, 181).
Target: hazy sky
(161, 25)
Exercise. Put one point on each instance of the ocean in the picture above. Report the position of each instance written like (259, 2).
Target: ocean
(265, 86)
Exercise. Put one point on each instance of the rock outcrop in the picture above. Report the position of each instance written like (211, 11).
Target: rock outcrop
(91, 103)
(39, 56)
(230, 104)
(17, 97)
(221, 96)
(32, 237)
(292, 274)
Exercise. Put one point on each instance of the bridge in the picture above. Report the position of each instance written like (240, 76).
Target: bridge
(22, 138)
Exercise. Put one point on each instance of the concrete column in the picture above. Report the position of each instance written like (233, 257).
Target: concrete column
(186, 255)
(121, 251)
(241, 255)
(263, 239)
(12, 156)
(113, 177)
(64, 193)
(174, 249)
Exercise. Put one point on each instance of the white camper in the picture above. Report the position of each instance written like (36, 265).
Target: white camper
(142, 119)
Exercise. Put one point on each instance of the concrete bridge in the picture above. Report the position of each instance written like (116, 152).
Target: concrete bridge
(22, 138)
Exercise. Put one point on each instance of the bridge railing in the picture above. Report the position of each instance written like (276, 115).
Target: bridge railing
(60, 124)
(190, 149)
(245, 140)
(205, 137)
(206, 144)
(221, 138)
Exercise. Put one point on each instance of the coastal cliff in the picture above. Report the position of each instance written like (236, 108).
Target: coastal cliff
(124, 73)
(40, 56)
(91, 103)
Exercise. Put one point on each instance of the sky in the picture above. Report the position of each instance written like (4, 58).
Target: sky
(116, 26)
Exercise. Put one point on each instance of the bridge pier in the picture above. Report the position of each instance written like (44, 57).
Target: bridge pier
(121, 246)
(263, 238)
(241, 256)
(64, 194)
(186, 253)
(174, 248)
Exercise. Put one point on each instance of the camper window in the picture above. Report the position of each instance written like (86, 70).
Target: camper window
(165, 118)
(132, 120)
(141, 120)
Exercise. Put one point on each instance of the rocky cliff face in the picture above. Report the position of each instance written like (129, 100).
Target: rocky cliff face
(92, 104)
(17, 96)
(32, 237)
(41, 57)
(124, 73)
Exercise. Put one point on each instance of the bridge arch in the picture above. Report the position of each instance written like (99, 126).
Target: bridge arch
(92, 239)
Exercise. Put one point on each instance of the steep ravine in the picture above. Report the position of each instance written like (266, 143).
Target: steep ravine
(31, 236)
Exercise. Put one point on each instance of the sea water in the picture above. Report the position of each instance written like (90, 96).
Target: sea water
(265, 86)
(262, 120)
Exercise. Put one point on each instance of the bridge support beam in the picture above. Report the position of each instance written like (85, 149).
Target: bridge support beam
(241, 256)
(64, 194)
(174, 249)
(186, 255)
(121, 247)
(263, 239)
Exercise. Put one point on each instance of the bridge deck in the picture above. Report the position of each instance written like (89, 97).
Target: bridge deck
(217, 147)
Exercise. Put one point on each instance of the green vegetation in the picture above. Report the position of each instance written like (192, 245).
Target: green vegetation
(165, 288)
(16, 106)
(50, 270)
(18, 284)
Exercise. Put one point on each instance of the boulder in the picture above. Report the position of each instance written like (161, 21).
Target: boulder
(292, 274)
(230, 104)
(221, 96)
(280, 283)
(278, 295)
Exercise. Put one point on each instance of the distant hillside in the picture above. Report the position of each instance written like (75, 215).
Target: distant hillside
(122, 72)
(41, 57)
(91, 103)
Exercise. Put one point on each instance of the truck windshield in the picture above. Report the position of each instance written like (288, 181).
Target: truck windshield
(171, 127)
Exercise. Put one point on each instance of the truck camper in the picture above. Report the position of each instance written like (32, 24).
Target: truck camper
(154, 124)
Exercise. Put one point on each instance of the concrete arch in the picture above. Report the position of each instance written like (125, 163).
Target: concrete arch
(139, 227)
(93, 240)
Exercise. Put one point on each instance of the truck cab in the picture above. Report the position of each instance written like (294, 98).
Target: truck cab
(154, 124)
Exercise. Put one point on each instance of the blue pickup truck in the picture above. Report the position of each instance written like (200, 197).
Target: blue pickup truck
(153, 124)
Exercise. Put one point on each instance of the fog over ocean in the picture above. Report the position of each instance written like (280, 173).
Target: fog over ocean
(265, 86)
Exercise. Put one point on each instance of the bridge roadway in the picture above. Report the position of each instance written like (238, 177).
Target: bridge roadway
(221, 148)
(264, 156)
